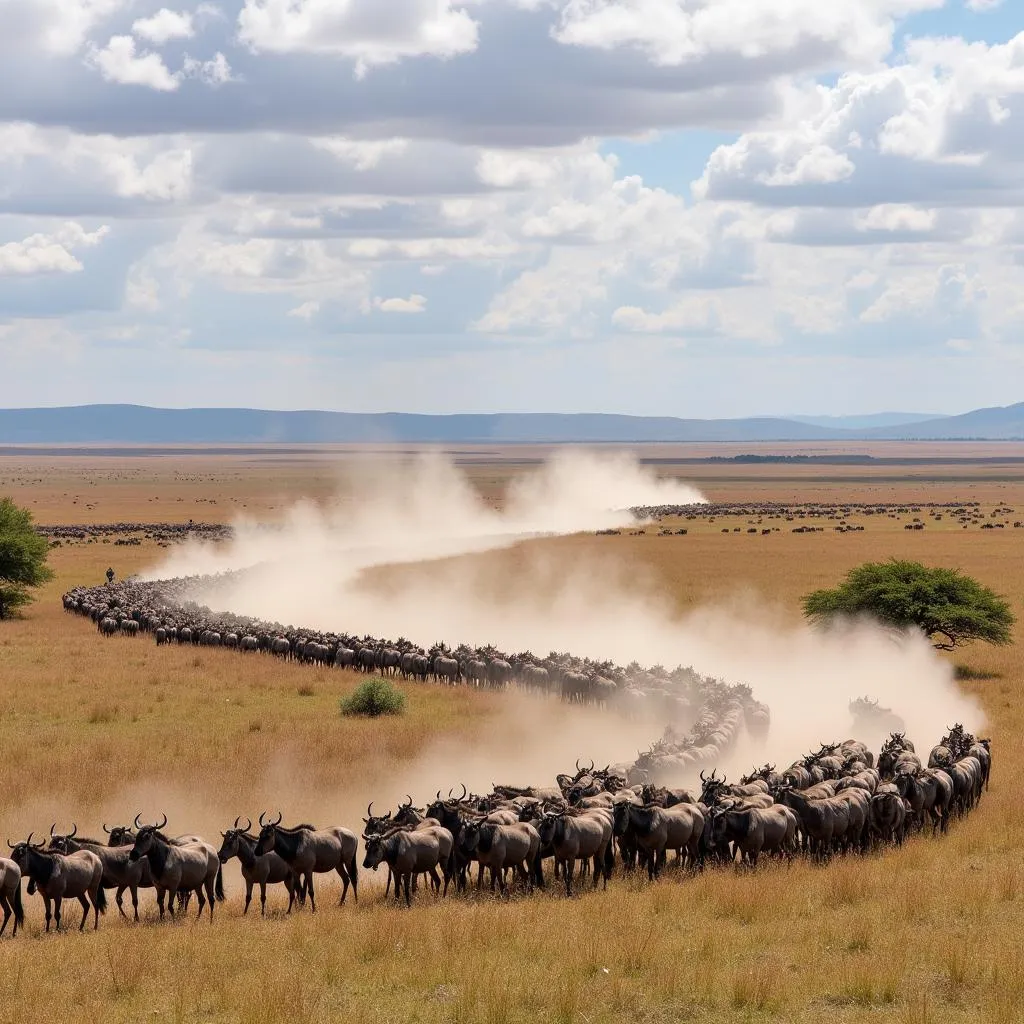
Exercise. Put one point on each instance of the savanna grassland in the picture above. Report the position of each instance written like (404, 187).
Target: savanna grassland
(93, 729)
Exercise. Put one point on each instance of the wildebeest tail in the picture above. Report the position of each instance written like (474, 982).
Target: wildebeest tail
(609, 859)
(219, 888)
(19, 908)
(353, 873)
(100, 902)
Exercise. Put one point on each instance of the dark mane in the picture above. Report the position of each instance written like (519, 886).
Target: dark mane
(87, 841)
(296, 828)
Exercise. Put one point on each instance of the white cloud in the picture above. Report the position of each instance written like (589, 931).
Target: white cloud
(216, 71)
(163, 26)
(141, 291)
(368, 31)
(413, 304)
(305, 310)
(48, 253)
(674, 32)
(982, 5)
(360, 154)
(59, 27)
(118, 62)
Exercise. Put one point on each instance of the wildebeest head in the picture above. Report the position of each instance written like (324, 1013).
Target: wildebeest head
(376, 824)
(59, 843)
(268, 835)
(229, 847)
(144, 838)
(375, 850)
(550, 826)
(20, 851)
(120, 835)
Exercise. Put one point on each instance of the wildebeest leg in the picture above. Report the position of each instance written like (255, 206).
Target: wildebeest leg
(435, 881)
(211, 894)
(343, 875)
(387, 886)
(201, 899)
(569, 867)
(248, 895)
(85, 914)
(5, 906)
(160, 902)
(291, 895)
(49, 915)
(118, 900)
(309, 891)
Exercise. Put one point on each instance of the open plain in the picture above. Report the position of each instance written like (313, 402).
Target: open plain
(93, 729)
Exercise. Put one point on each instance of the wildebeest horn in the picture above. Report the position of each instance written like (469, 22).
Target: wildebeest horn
(10, 844)
(702, 779)
(248, 824)
(439, 794)
(162, 823)
(465, 791)
(577, 764)
(591, 768)
(137, 816)
(262, 822)
(53, 828)
(408, 801)
(236, 822)
(369, 809)
(279, 817)
(73, 832)
(105, 829)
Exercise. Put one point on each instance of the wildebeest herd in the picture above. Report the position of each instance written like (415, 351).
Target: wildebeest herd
(716, 712)
(839, 800)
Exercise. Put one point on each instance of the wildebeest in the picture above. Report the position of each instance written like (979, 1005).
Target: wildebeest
(501, 848)
(10, 895)
(409, 852)
(755, 830)
(120, 872)
(660, 829)
(269, 869)
(573, 837)
(193, 867)
(59, 877)
(310, 851)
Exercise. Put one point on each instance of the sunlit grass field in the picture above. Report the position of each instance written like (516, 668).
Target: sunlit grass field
(92, 728)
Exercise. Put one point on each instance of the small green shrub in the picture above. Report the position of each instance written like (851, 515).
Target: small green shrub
(373, 698)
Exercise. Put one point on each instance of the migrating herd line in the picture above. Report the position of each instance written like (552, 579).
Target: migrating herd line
(718, 712)
(839, 800)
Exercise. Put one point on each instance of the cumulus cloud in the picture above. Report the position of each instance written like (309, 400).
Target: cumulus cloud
(118, 62)
(163, 26)
(413, 304)
(368, 32)
(49, 253)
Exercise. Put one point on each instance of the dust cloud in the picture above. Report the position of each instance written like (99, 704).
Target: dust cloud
(381, 560)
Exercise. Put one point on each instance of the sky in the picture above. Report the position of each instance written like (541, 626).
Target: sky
(700, 208)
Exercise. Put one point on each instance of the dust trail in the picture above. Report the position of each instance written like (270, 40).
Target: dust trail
(322, 570)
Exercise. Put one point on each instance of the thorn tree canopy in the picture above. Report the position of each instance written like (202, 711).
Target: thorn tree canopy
(22, 557)
(948, 607)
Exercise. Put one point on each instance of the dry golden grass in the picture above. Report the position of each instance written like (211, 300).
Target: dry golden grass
(95, 727)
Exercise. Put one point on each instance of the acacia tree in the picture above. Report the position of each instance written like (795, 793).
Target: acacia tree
(950, 608)
(22, 557)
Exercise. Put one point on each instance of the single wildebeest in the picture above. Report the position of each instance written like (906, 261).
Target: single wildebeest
(755, 831)
(10, 895)
(660, 829)
(888, 816)
(59, 877)
(120, 872)
(270, 869)
(583, 837)
(310, 851)
(504, 847)
(194, 867)
(408, 853)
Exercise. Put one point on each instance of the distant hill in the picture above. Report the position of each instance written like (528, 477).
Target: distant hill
(868, 422)
(136, 424)
(1000, 423)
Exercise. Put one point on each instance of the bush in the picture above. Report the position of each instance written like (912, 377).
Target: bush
(373, 698)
